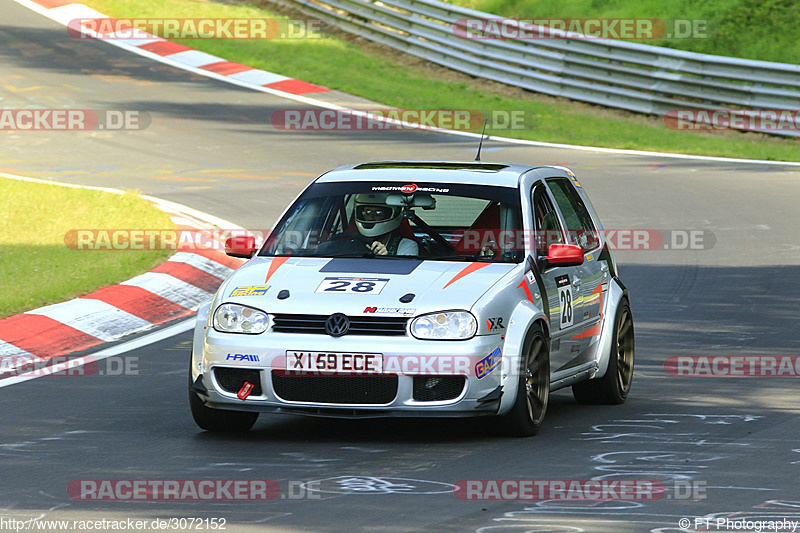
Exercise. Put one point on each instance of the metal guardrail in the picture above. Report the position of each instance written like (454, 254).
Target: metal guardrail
(620, 74)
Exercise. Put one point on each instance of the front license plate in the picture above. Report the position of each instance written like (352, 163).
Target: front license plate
(334, 362)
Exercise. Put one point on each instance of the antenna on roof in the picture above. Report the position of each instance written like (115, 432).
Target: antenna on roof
(478, 156)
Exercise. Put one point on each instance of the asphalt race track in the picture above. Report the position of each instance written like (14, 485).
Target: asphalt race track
(734, 441)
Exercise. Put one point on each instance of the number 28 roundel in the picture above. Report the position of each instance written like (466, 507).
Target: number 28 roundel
(564, 301)
(352, 285)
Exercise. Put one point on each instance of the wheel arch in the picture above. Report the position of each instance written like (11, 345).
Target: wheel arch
(524, 319)
(617, 293)
(198, 338)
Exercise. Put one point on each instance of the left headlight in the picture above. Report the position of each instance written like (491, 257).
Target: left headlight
(447, 325)
(235, 318)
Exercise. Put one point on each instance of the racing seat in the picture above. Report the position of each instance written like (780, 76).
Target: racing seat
(405, 230)
(485, 228)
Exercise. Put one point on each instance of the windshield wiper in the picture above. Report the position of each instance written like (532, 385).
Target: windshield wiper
(365, 255)
(466, 258)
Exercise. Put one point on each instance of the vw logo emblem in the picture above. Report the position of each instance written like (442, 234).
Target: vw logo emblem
(337, 325)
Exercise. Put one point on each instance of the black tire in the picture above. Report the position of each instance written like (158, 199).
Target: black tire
(533, 389)
(614, 386)
(219, 420)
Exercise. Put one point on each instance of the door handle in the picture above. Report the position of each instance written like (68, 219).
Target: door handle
(576, 282)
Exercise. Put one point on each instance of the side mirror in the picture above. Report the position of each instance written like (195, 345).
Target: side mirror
(241, 246)
(565, 255)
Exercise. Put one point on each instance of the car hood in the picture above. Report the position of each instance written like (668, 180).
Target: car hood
(436, 285)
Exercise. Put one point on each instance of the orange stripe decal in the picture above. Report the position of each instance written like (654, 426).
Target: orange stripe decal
(524, 286)
(274, 265)
(593, 331)
(599, 290)
(466, 271)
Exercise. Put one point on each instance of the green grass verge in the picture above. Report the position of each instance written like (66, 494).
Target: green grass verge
(343, 66)
(37, 267)
(754, 29)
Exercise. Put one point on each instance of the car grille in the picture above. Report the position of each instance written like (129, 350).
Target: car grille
(359, 325)
(380, 389)
(232, 379)
(437, 388)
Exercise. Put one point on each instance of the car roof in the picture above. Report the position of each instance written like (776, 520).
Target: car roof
(473, 172)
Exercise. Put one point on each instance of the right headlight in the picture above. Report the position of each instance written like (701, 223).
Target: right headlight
(235, 318)
(445, 325)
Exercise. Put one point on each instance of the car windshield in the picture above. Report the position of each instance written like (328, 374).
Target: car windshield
(450, 222)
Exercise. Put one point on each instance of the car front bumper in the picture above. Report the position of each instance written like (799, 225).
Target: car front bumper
(420, 378)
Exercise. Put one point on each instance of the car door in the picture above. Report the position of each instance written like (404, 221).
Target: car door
(581, 231)
(561, 284)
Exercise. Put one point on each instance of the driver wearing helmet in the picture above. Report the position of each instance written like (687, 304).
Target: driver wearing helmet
(376, 219)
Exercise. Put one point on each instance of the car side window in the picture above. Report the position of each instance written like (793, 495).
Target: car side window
(546, 225)
(580, 228)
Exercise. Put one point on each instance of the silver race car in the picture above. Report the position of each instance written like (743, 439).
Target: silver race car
(418, 289)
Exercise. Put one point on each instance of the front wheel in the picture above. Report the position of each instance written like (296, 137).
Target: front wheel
(219, 420)
(533, 388)
(614, 386)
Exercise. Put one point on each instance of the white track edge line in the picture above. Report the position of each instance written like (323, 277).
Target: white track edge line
(319, 103)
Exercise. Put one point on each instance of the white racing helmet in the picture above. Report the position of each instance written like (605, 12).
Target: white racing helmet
(373, 216)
